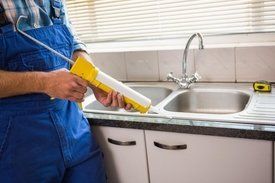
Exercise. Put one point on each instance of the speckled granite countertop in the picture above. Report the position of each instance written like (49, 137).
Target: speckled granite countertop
(238, 130)
(257, 121)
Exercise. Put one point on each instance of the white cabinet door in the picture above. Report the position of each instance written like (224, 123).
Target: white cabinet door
(124, 154)
(207, 159)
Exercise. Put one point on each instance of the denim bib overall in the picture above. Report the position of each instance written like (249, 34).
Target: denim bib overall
(43, 140)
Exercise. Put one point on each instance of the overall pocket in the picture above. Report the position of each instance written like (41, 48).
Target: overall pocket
(5, 127)
(41, 60)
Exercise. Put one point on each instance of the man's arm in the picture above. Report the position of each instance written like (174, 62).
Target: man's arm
(17, 83)
(58, 84)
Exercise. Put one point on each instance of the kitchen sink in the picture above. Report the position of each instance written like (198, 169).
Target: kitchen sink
(208, 101)
(225, 102)
(155, 93)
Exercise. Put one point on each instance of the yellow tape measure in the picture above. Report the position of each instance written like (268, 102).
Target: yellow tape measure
(262, 86)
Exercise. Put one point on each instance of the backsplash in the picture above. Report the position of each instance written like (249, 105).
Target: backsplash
(255, 63)
(240, 64)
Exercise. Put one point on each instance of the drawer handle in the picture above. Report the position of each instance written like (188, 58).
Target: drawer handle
(170, 147)
(116, 142)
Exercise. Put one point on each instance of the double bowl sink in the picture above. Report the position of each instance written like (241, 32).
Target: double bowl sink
(202, 100)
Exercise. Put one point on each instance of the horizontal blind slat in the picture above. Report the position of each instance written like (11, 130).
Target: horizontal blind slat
(175, 19)
(114, 20)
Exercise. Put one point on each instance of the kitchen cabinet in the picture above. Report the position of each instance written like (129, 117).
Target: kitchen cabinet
(143, 156)
(178, 158)
(124, 154)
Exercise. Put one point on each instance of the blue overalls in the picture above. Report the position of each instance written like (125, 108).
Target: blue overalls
(43, 140)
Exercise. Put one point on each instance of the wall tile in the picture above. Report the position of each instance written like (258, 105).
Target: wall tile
(255, 63)
(171, 61)
(215, 65)
(111, 63)
(142, 66)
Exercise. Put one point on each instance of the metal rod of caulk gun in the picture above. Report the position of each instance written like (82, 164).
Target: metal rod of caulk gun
(40, 43)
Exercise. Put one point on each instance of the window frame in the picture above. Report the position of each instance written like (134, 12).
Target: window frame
(210, 41)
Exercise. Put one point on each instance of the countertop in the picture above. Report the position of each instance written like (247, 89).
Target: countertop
(255, 122)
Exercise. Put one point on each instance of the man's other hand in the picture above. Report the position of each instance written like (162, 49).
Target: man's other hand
(113, 99)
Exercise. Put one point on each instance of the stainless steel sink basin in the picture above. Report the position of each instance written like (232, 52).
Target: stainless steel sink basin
(210, 101)
(155, 93)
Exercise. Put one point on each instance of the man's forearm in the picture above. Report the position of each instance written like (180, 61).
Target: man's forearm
(19, 83)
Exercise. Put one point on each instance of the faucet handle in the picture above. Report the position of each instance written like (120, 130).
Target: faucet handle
(170, 76)
(194, 78)
(197, 76)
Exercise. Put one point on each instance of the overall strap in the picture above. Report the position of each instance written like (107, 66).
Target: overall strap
(58, 12)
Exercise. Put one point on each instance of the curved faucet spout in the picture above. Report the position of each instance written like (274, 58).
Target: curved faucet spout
(185, 53)
(186, 81)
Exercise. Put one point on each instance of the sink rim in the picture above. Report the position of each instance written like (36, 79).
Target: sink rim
(233, 87)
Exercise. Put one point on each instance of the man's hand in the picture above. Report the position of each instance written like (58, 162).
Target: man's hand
(64, 85)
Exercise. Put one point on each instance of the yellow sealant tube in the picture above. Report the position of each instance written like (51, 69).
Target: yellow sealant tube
(99, 79)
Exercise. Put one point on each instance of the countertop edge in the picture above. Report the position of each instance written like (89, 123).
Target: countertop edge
(189, 129)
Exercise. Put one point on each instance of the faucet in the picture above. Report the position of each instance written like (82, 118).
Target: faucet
(185, 81)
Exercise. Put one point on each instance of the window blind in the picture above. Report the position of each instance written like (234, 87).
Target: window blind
(135, 20)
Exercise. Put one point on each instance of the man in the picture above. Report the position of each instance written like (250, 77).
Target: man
(44, 137)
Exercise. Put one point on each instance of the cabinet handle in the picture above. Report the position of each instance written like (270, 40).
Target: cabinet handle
(116, 142)
(170, 147)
